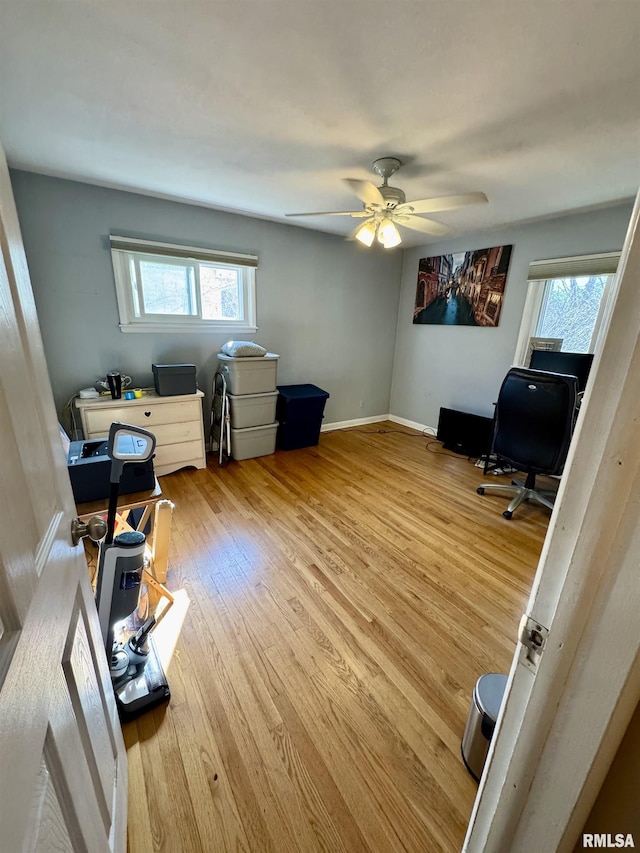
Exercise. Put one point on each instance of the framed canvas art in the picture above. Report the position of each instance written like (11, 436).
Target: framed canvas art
(463, 288)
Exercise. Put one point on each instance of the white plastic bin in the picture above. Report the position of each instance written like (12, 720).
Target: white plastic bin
(253, 441)
(249, 375)
(249, 410)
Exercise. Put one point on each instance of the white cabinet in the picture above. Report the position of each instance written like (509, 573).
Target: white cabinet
(176, 423)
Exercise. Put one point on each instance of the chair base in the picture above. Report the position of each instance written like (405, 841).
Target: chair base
(522, 492)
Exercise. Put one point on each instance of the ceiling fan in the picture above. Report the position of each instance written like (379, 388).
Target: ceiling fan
(386, 207)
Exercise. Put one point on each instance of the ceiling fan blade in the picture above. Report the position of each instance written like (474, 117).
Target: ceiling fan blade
(445, 202)
(366, 191)
(427, 226)
(356, 213)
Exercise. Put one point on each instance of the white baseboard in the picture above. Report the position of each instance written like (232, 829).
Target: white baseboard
(357, 422)
(413, 425)
(377, 419)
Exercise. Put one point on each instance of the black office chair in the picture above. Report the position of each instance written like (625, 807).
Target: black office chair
(533, 425)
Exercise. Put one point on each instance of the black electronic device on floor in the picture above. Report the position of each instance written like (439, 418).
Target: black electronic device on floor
(138, 679)
(465, 433)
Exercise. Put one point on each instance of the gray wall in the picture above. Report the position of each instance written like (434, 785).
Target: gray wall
(462, 367)
(328, 307)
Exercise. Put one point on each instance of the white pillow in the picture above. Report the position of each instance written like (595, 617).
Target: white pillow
(240, 349)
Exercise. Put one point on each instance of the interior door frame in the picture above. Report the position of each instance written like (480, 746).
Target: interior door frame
(560, 727)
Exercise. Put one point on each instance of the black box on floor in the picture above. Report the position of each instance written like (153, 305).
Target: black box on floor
(170, 379)
(89, 469)
(465, 433)
(299, 412)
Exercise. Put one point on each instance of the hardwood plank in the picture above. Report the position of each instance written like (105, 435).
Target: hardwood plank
(219, 823)
(344, 600)
(335, 747)
(139, 823)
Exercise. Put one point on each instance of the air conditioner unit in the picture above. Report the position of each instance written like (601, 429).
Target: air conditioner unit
(548, 344)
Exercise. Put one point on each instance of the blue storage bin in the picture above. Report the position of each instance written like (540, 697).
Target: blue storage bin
(299, 411)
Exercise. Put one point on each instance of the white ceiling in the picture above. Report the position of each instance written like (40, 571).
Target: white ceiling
(262, 107)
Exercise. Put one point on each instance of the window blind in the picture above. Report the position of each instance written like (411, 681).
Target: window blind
(602, 264)
(212, 256)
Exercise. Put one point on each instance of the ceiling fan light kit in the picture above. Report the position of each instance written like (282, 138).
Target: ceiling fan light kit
(388, 234)
(366, 233)
(386, 207)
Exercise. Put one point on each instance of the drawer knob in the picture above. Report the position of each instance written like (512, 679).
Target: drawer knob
(147, 414)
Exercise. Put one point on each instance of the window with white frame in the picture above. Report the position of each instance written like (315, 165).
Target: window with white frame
(567, 303)
(166, 287)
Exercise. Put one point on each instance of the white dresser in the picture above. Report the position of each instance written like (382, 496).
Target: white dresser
(176, 423)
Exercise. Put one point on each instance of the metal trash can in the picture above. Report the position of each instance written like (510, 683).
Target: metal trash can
(481, 722)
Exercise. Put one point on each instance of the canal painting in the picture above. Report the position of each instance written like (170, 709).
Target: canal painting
(463, 288)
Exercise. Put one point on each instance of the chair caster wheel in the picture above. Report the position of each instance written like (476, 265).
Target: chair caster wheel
(480, 490)
(507, 514)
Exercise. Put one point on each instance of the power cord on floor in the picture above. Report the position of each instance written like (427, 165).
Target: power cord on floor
(477, 461)
(473, 459)
(426, 432)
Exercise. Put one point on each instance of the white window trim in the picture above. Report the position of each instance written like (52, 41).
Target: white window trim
(536, 291)
(530, 314)
(129, 323)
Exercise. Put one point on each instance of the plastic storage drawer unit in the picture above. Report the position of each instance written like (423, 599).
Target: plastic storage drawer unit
(250, 410)
(483, 715)
(173, 379)
(300, 410)
(249, 375)
(253, 441)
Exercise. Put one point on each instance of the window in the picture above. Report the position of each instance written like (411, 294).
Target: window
(165, 287)
(571, 310)
(567, 301)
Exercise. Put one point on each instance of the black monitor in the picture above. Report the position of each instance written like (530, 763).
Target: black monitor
(570, 363)
(465, 433)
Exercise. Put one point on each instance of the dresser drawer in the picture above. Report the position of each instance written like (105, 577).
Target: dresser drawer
(98, 421)
(167, 434)
(171, 457)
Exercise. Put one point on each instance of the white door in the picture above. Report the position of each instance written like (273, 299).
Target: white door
(63, 776)
(565, 714)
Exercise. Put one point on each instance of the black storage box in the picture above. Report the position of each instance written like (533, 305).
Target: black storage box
(299, 411)
(171, 379)
(89, 469)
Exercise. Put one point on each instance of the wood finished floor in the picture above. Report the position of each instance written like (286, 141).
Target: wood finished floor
(344, 600)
